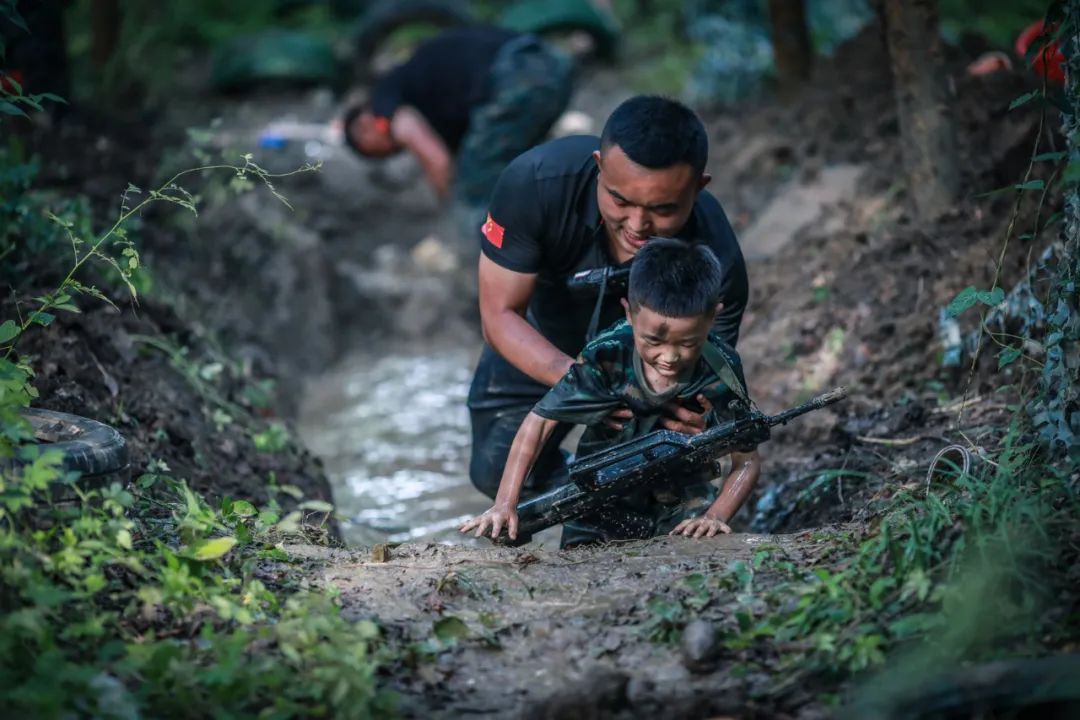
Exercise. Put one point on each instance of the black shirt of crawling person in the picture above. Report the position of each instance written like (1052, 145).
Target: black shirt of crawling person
(445, 79)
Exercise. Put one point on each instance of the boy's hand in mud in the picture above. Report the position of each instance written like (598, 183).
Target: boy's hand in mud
(495, 519)
(700, 527)
(617, 419)
(688, 420)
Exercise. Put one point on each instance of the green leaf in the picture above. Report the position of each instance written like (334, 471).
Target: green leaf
(450, 629)
(42, 318)
(1023, 99)
(1072, 172)
(316, 505)
(15, 18)
(1051, 156)
(965, 299)
(10, 108)
(915, 624)
(993, 297)
(996, 191)
(9, 331)
(123, 539)
(211, 549)
(1008, 356)
(1031, 185)
(242, 508)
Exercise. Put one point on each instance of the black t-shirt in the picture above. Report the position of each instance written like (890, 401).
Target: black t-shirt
(446, 77)
(549, 224)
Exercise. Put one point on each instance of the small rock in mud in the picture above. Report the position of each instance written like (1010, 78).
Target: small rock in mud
(700, 647)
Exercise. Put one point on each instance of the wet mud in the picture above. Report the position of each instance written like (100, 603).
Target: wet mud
(543, 633)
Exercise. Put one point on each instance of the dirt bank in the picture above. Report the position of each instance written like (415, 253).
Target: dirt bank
(184, 408)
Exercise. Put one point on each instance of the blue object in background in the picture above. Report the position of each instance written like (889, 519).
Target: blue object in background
(271, 141)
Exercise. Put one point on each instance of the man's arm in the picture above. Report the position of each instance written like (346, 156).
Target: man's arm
(504, 297)
(745, 471)
(528, 442)
(410, 129)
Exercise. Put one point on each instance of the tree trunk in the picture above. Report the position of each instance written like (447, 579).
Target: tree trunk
(926, 131)
(792, 53)
(104, 30)
(1055, 411)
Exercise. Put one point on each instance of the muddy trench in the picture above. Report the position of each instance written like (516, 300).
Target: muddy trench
(360, 299)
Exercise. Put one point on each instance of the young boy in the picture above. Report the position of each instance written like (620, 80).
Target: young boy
(664, 350)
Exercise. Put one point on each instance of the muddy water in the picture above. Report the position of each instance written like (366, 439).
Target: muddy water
(393, 432)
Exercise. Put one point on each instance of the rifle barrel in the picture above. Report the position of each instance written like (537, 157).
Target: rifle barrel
(833, 396)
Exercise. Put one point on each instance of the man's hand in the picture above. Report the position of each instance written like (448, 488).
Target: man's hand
(700, 527)
(494, 519)
(682, 419)
(617, 419)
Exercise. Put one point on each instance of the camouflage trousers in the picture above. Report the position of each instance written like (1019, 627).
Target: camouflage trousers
(531, 83)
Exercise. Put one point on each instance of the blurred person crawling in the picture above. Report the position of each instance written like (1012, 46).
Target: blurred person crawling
(466, 103)
(664, 350)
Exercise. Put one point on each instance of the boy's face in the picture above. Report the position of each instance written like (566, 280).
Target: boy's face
(668, 345)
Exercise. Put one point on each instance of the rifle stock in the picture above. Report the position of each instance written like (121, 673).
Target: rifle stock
(658, 458)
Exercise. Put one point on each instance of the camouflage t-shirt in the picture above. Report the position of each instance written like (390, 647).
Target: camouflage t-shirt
(609, 376)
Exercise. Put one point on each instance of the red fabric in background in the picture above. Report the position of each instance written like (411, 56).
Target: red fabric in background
(1048, 62)
(5, 83)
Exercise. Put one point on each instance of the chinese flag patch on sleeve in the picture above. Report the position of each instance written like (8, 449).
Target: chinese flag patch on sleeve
(493, 231)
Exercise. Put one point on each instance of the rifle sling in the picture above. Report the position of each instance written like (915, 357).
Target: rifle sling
(720, 365)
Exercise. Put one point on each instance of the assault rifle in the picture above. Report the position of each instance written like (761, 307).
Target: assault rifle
(660, 458)
(609, 280)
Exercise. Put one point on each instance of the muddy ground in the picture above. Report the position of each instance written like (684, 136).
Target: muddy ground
(546, 634)
(846, 289)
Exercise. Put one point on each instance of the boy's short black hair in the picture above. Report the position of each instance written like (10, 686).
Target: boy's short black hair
(675, 279)
(657, 132)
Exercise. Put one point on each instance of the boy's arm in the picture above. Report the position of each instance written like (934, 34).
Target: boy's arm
(745, 471)
(528, 442)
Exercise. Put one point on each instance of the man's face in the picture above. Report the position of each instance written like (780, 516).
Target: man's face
(372, 135)
(638, 202)
(668, 345)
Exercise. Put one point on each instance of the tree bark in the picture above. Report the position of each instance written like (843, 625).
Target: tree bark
(104, 30)
(792, 53)
(926, 131)
(1055, 411)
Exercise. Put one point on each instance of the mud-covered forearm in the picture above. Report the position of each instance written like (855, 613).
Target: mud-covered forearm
(529, 441)
(745, 471)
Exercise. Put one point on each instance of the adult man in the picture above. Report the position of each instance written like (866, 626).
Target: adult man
(482, 94)
(573, 204)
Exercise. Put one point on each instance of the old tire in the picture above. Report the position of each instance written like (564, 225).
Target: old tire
(386, 16)
(548, 17)
(275, 57)
(95, 450)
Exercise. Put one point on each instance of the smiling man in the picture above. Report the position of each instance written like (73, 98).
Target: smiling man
(575, 204)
